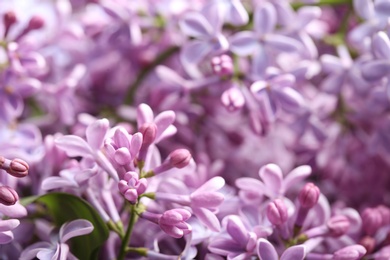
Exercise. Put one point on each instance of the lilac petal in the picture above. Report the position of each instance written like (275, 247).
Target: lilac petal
(259, 87)
(382, 8)
(75, 228)
(307, 14)
(237, 230)
(381, 45)
(195, 25)
(121, 137)
(331, 63)
(214, 15)
(163, 120)
(333, 83)
(194, 51)
(170, 76)
(73, 145)
(213, 184)
(358, 34)
(284, 13)
(122, 156)
(31, 251)
(246, 183)
(364, 8)
(237, 15)
(8, 224)
(285, 80)
(294, 252)
(260, 61)
(170, 131)
(206, 199)
(96, 133)
(144, 115)
(13, 211)
(244, 43)
(296, 175)
(208, 218)
(375, 70)
(265, 250)
(173, 231)
(272, 176)
(289, 99)
(223, 246)
(264, 19)
(28, 86)
(6, 237)
(56, 182)
(48, 253)
(283, 43)
(135, 145)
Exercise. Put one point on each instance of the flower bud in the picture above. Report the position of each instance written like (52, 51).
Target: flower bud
(36, 22)
(180, 158)
(353, 252)
(372, 220)
(222, 65)
(8, 196)
(233, 99)
(148, 131)
(338, 225)
(368, 243)
(277, 212)
(9, 18)
(18, 168)
(309, 195)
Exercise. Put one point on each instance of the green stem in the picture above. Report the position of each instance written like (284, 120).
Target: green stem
(143, 73)
(126, 238)
(321, 3)
(143, 251)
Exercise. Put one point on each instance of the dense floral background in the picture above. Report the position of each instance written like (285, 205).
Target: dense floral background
(195, 129)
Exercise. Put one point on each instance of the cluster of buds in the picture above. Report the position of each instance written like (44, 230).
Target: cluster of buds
(17, 168)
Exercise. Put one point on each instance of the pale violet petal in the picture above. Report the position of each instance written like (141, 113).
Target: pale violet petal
(73, 145)
(75, 228)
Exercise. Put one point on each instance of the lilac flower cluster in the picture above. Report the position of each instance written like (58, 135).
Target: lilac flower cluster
(172, 129)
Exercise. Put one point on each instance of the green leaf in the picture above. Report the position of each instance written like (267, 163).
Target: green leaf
(63, 207)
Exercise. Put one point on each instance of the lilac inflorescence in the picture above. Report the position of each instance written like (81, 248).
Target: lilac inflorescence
(237, 129)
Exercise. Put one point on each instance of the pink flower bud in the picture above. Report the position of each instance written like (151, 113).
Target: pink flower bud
(309, 195)
(148, 131)
(353, 252)
(233, 99)
(368, 243)
(18, 168)
(277, 212)
(222, 65)
(180, 158)
(372, 220)
(36, 22)
(8, 196)
(338, 225)
(9, 18)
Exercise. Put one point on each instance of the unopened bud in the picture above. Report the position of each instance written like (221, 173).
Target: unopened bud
(180, 158)
(18, 168)
(372, 220)
(9, 18)
(148, 131)
(309, 195)
(353, 252)
(36, 22)
(338, 225)
(8, 196)
(368, 243)
(277, 212)
(222, 65)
